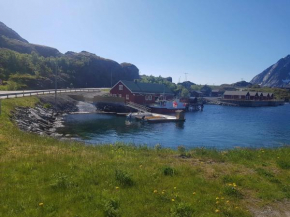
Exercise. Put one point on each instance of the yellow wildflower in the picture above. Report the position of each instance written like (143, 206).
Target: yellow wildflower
(174, 188)
(194, 193)
(227, 201)
(217, 210)
(217, 202)
(155, 191)
(236, 207)
(234, 184)
(140, 166)
(172, 200)
(40, 204)
(222, 198)
(217, 198)
(117, 187)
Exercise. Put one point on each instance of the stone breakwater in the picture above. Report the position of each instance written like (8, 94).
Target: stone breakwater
(46, 116)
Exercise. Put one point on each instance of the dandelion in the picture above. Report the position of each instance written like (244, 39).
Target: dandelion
(217, 210)
(234, 184)
(194, 193)
(230, 184)
(172, 200)
(217, 198)
(162, 192)
(227, 201)
(40, 204)
(174, 188)
(155, 191)
(117, 187)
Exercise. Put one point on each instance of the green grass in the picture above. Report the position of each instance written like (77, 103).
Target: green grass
(41, 176)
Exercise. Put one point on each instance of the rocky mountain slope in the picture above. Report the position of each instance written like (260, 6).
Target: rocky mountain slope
(33, 66)
(277, 75)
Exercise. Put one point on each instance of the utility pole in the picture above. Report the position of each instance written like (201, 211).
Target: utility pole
(55, 83)
(111, 78)
(185, 76)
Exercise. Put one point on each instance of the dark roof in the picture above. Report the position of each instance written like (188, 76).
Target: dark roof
(244, 93)
(236, 93)
(137, 87)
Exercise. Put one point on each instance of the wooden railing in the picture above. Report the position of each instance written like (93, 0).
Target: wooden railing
(138, 107)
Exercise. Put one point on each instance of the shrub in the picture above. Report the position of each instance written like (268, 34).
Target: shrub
(61, 181)
(158, 147)
(182, 151)
(47, 105)
(168, 171)
(111, 208)
(232, 191)
(182, 210)
(283, 164)
(123, 178)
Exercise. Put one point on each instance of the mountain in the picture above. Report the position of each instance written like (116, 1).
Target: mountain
(277, 75)
(31, 66)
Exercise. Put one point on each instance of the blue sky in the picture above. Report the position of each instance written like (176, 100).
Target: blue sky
(214, 41)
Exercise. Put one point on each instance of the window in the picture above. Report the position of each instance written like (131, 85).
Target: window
(148, 97)
(127, 96)
(120, 87)
(120, 95)
(115, 95)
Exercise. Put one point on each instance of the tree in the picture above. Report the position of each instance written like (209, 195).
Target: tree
(184, 93)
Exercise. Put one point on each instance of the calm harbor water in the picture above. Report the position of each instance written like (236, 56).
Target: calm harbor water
(219, 127)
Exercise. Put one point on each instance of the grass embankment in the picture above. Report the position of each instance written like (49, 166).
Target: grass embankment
(41, 176)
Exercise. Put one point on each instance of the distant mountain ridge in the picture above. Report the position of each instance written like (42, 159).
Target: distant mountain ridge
(277, 75)
(81, 69)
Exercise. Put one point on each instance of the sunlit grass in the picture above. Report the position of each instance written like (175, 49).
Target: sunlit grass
(41, 176)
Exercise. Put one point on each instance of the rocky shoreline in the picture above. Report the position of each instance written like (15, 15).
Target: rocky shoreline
(46, 116)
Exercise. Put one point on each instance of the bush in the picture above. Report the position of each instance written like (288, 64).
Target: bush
(182, 210)
(168, 171)
(283, 164)
(181, 149)
(123, 178)
(157, 147)
(111, 208)
(47, 105)
(232, 191)
(61, 181)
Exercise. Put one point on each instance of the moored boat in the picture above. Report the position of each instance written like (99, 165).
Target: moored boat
(166, 106)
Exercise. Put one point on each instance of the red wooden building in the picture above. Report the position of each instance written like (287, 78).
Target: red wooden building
(248, 95)
(141, 93)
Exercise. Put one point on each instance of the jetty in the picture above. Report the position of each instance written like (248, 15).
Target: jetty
(158, 118)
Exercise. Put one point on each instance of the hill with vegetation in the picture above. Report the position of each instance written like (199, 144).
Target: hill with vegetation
(28, 66)
(277, 75)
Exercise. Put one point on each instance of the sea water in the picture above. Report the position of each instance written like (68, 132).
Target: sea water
(219, 127)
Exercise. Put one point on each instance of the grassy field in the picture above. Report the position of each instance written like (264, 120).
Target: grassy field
(41, 176)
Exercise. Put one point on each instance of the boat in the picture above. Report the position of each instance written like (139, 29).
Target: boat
(167, 106)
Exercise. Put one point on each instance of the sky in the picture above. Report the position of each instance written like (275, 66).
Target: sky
(203, 41)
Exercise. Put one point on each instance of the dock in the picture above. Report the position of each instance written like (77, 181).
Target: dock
(159, 118)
